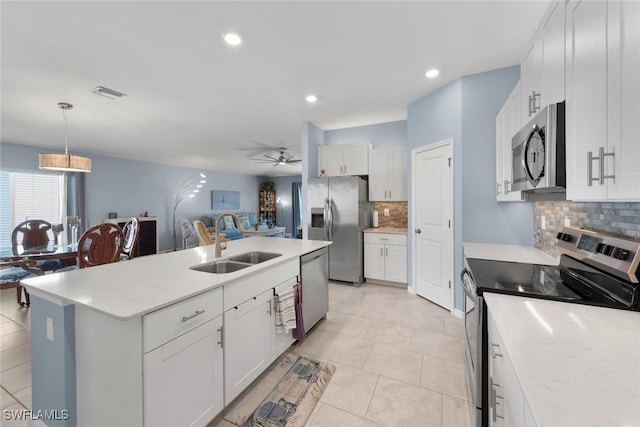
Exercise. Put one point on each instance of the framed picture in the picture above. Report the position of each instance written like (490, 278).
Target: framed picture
(113, 215)
(225, 200)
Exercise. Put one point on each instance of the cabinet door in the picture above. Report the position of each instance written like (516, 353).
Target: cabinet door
(586, 105)
(247, 343)
(378, 182)
(395, 263)
(183, 379)
(397, 175)
(508, 123)
(553, 56)
(624, 100)
(330, 160)
(356, 159)
(531, 78)
(374, 261)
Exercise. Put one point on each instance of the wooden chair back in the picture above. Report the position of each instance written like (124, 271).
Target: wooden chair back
(100, 244)
(34, 233)
(131, 233)
(201, 231)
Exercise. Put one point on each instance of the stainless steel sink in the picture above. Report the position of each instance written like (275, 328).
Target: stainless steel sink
(220, 267)
(254, 257)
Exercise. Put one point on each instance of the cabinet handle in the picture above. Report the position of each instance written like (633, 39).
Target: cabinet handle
(534, 107)
(385, 194)
(386, 252)
(494, 354)
(221, 340)
(389, 193)
(600, 158)
(498, 185)
(197, 313)
(381, 253)
(384, 238)
(493, 400)
(529, 115)
(269, 306)
(506, 187)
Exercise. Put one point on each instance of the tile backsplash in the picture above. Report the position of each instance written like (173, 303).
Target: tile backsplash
(398, 214)
(616, 218)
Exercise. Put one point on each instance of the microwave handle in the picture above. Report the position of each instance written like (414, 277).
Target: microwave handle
(466, 277)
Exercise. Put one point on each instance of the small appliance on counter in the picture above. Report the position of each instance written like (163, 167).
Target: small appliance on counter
(595, 268)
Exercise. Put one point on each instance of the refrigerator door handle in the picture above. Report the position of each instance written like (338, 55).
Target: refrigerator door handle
(326, 218)
(331, 219)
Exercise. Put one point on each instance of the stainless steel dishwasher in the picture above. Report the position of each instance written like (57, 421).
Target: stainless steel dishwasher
(314, 271)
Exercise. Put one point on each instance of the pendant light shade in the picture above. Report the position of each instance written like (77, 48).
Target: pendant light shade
(64, 162)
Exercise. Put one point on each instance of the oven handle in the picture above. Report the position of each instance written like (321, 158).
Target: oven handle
(467, 290)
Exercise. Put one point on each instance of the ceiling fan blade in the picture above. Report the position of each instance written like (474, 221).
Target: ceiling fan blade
(272, 158)
(293, 161)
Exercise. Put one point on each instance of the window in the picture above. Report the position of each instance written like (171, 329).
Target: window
(29, 196)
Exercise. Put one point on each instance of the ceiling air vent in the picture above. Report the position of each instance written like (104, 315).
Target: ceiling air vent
(107, 93)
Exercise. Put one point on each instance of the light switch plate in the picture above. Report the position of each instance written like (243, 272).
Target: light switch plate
(543, 222)
(50, 329)
(386, 212)
(567, 222)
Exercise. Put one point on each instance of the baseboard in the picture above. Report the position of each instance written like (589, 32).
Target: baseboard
(386, 283)
(457, 313)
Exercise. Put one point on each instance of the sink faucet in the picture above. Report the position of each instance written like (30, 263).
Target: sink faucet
(218, 252)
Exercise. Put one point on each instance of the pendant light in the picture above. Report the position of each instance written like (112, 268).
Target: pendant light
(64, 162)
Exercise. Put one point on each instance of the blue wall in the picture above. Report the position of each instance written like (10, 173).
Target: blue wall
(53, 364)
(379, 135)
(465, 110)
(311, 137)
(130, 187)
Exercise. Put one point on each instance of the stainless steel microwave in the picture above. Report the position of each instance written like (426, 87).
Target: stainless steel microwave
(538, 153)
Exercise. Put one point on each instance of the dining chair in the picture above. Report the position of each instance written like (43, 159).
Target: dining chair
(131, 231)
(201, 231)
(100, 244)
(12, 272)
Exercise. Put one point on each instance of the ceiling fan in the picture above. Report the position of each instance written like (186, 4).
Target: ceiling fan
(283, 159)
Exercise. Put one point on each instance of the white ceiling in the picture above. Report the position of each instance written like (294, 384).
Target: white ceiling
(195, 101)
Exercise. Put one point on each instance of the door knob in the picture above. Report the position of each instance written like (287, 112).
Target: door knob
(418, 231)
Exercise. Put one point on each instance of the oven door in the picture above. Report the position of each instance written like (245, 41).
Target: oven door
(473, 307)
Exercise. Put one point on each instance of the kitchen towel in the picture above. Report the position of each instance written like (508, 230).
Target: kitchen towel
(298, 332)
(375, 219)
(285, 311)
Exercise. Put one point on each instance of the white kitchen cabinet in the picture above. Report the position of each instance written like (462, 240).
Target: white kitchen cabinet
(603, 101)
(508, 123)
(507, 403)
(247, 343)
(385, 257)
(388, 174)
(343, 159)
(542, 67)
(185, 373)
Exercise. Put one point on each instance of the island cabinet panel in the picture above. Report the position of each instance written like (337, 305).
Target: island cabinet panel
(183, 379)
(247, 343)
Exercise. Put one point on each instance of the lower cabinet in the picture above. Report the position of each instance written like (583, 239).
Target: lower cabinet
(185, 373)
(247, 346)
(507, 404)
(385, 257)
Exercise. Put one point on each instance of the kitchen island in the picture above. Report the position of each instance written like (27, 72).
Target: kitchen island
(142, 342)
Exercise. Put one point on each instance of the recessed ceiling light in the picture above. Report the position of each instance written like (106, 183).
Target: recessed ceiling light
(232, 38)
(432, 73)
(311, 99)
(107, 93)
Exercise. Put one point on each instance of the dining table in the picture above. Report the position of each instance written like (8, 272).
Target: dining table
(65, 253)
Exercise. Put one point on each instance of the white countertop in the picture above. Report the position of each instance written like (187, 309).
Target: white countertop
(509, 253)
(578, 365)
(132, 288)
(386, 230)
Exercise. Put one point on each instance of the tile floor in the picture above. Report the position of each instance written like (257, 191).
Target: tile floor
(400, 360)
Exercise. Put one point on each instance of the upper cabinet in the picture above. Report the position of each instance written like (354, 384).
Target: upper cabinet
(343, 159)
(543, 65)
(508, 123)
(388, 174)
(603, 100)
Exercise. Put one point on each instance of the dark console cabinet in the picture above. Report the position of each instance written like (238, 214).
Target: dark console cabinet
(148, 239)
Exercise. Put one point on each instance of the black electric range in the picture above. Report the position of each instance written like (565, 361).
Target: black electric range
(595, 269)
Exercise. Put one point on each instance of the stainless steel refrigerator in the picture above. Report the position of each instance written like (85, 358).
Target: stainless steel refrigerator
(339, 210)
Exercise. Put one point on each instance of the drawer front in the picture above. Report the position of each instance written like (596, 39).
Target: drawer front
(386, 239)
(235, 293)
(170, 322)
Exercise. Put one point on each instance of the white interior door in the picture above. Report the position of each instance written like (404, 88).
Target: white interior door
(433, 255)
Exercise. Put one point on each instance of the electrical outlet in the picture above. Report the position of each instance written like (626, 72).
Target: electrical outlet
(567, 222)
(50, 329)
(386, 212)
(543, 222)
